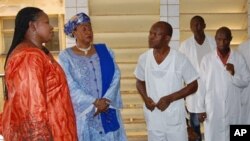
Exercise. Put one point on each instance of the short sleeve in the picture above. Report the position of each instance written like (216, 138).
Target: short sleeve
(189, 73)
(140, 67)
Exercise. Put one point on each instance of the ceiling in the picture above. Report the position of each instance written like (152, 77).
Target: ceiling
(217, 13)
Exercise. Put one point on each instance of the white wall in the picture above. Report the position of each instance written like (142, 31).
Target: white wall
(170, 12)
(73, 7)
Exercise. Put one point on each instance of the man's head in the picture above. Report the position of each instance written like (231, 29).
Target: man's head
(160, 35)
(223, 38)
(197, 25)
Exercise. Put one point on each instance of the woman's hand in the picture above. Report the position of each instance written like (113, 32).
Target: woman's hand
(101, 105)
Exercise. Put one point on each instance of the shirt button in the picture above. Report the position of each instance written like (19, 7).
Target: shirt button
(100, 132)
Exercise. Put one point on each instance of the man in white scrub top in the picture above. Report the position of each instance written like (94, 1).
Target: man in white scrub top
(224, 73)
(195, 47)
(160, 74)
(244, 49)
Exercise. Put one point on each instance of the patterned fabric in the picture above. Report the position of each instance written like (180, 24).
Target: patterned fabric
(39, 105)
(70, 26)
(85, 81)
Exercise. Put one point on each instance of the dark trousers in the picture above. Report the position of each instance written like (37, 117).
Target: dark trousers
(195, 124)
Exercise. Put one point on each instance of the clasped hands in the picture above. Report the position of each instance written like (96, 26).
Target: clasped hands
(162, 104)
(102, 105)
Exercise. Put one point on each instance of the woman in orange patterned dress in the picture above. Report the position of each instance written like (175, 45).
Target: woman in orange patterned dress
(37, 102)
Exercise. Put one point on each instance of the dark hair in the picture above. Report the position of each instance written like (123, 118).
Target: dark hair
(24, 16)
(225, 30)
(167, 27)
(199, 18)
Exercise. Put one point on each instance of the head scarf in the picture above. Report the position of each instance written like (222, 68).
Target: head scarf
(70, 26)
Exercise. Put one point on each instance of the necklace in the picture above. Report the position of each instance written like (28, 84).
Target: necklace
(85, 50)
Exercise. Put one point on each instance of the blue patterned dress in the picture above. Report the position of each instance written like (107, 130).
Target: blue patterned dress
(85, 83)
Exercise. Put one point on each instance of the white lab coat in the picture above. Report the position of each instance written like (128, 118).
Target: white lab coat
(189, 48)
(244, 49)
(162, 80)
(222, 101)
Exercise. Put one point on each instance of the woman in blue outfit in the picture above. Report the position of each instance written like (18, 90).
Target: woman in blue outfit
(94, 81)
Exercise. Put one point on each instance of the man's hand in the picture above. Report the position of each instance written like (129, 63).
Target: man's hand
(164, 102)
(202, 116)
(230, 68)
(150, 104)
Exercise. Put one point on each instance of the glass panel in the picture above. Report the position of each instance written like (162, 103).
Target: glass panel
(53, 21)
(7, 42)
(8, 23)
(53, 45)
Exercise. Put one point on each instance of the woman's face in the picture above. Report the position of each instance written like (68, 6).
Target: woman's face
(84, 33)
(43, 28)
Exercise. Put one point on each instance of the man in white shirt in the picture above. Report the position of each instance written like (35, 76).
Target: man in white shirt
(195, 47)
(160, 73)
(224, 73)
(244, 49)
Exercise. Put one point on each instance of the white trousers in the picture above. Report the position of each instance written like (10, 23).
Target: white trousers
(155, 135)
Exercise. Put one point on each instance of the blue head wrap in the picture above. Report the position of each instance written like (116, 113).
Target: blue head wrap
(75, 21)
